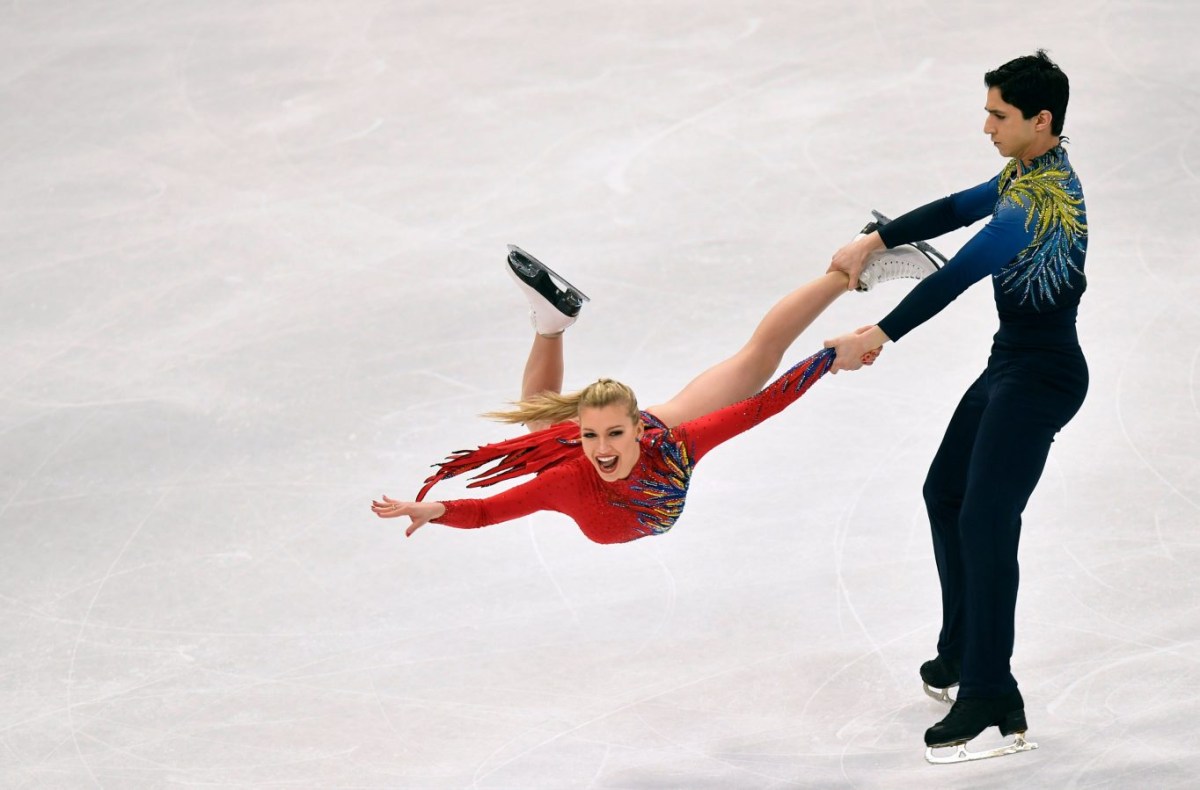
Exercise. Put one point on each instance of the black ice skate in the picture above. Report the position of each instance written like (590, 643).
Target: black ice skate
(938, 676)
(554, 303)
(970, 717)
(914, 261)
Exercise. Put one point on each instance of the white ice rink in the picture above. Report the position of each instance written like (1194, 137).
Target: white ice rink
(251, 277)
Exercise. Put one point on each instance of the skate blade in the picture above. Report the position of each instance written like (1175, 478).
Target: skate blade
(941, 695)
(961, 755)
(930, 251)
(512, 248)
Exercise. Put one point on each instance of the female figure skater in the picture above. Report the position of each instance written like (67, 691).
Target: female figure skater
(618, 472)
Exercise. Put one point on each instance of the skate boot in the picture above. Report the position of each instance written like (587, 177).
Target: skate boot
(938, 676)
(968, 718)
(554, 303)
(914, 261)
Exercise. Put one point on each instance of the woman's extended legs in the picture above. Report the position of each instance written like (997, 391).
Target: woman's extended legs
(749, 370)
(729, 381)
(543, 370)
(554, 304)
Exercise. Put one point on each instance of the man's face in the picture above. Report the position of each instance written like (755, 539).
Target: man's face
(1012, 134)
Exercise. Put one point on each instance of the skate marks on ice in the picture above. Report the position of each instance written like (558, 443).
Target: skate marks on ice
(290, 250)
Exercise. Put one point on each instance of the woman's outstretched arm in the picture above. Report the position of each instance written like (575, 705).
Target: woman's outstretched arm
(522, 500)
(704, 433)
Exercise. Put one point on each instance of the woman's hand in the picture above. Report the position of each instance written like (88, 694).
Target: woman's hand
(420, 513)
(852, 257)
(857, 348)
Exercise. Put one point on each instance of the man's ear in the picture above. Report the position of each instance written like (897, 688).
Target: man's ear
(1043, 121)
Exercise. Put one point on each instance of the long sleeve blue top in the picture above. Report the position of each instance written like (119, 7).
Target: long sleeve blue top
(1033, 246)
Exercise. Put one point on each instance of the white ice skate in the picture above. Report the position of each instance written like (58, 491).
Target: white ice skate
(970, 718)
(962, 755)
(554, 303)
(914, 261)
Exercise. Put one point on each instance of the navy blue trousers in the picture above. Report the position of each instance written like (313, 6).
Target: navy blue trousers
(987, 466)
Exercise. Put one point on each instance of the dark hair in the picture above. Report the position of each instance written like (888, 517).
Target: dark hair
(1033, 83)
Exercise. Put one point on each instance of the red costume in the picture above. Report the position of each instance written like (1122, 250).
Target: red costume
(647, 502)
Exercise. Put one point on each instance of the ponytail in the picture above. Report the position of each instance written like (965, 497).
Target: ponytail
(553, 407)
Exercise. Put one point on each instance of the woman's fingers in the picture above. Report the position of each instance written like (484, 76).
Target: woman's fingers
(389, 508)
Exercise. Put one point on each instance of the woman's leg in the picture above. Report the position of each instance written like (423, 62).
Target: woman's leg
(554, 306)
(749, 370)
(543, 370)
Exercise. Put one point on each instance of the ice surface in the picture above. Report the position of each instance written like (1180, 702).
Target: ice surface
(252, 277)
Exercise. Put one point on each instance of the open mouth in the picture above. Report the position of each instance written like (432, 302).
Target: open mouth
(607, 463)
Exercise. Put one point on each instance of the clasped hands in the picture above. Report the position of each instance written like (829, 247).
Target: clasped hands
(863, 345)
(857, 348)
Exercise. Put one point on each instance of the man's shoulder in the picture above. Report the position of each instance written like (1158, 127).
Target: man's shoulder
(1010, 171)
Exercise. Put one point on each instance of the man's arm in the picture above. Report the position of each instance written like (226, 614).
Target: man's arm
(986, 253)
(926, 222)
(994, 245)
(942, 216)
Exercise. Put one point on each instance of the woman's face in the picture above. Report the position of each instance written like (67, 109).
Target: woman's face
(610, 440)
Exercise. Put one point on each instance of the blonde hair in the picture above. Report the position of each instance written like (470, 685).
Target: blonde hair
(552, 407)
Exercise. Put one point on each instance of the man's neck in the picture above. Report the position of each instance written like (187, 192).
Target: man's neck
(1039, 148)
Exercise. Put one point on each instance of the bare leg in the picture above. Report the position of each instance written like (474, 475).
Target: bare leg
(748, 371)
(543, 370)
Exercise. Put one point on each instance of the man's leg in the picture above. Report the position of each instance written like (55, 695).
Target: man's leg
(944, 489)
(1031, 395)
(1025, 411)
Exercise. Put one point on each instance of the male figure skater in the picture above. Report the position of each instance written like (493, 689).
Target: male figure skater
(996, 444)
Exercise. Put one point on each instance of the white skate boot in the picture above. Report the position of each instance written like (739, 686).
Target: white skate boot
(914, 261)
(554, 303)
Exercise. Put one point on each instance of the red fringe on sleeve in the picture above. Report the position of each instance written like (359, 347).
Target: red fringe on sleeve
(530, 454)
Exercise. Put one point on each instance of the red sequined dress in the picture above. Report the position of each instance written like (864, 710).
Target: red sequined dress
(647, 502)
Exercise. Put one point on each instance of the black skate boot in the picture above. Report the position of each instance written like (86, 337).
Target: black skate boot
(552, 307)
(969, 717)
(914, 261)
(938, 676)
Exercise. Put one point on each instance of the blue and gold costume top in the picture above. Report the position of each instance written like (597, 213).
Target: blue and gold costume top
(1033, 247)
